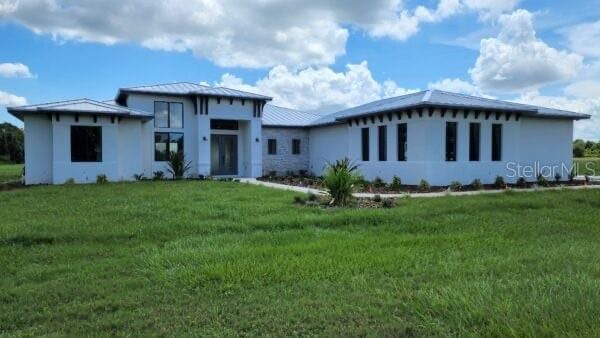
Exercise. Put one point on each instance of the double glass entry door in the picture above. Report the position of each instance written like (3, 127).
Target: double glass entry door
(223, 152)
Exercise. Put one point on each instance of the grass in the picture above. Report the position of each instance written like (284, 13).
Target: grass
(9, 171)
(588, 166)
(228, 259)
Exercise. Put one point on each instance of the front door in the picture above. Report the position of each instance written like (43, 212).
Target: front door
(223, 154)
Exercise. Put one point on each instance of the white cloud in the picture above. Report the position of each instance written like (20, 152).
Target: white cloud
(518, 60)
(296, 33)
(585, 129)
(584, 89)
(458, 86)
(15, 70)
(10, 100)
(491, 8)
(319, 89)
(584, 38)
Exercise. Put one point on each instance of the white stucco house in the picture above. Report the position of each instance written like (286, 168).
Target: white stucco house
(433, 135)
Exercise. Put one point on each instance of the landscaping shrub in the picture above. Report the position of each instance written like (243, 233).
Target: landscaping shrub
(340, 180)
(299, 200)
(476, 184)
(378, 182)
(138, 177)
(424, 186)
(557, 178)
(396, 183)
(158, 175)
(499, 182)
(70, 180)
(388, 203)
(312, 197)
(542, 181)
(177, 165)
(455, 186)
(377, 198)
(572, 175)
(272, 174)
(101, 179)
(521, 182)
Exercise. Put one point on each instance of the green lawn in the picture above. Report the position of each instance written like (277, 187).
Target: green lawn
(228, 259)
(10, 172)
(588, 166)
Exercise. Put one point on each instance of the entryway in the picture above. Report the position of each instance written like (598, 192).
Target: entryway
(224, 154)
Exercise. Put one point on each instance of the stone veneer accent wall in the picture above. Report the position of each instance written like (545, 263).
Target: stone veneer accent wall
(284, 160)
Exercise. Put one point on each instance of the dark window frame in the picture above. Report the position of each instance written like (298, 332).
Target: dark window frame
(272, 146)
(76, 147)
(497, 142)
(402, 141)
(451, 141)
(296, 146)
(221, 124)
(382, 143)
(168, 151)
(474, 142)
(365, 143)
(169, 103)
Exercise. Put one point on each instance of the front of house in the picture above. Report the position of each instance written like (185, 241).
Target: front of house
(433, 135)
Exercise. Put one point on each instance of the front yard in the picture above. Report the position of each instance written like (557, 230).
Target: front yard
(229, 259)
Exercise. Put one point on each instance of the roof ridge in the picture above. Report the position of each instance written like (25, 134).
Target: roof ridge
(296, 110)
(237, 90)
(51, 103)
(481, 98)
(380, 102)
(166, 84)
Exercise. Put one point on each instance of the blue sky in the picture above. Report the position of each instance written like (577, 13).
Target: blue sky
(437, 46)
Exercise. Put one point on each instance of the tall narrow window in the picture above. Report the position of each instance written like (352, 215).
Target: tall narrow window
(296, 146)
(382, 143)
(168, 114)
(474, 141)
(86, 144)
(165, 143)
(496, 142)
(365, 144)
(451, 128)
(402, 141)
(272, 146)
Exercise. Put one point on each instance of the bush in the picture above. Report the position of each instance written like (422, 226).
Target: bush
(177, 165)
(377, 198)
(272, 173)
(572, 175)
(396, 183)
(303, 173)
(378, 182)
(158, 175)
(138, 177)
(542, 181)
(499, 182)
(557, 178)
(578, 148)
(70, 180)
(521, 182)
(388, 203)
(424, 186)
(455, 186)
(299, 200)
(101, 179)
(340, 180)
(312, 197)
(476, 184)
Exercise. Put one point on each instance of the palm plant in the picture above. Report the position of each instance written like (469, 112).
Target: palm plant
(340, 180)
(177, 164)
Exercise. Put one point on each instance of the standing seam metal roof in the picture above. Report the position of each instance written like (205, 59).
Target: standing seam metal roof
(188, 88)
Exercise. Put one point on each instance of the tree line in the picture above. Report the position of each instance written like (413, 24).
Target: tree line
(11, 143)
(582, 148)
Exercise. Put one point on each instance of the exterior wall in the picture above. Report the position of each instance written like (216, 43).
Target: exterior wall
(284, 160)
(524, 141)
(38, 150)
(327, 144)
(197, 134)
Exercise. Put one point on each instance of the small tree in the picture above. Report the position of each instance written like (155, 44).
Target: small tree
(578, 148)
(177, 164)
(396, 183)
(340, 180)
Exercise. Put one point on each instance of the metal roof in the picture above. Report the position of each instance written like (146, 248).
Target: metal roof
(188, 88)
(438, 98)
(275, 116)
(78, 106)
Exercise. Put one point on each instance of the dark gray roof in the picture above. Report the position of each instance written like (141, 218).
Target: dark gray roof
(438, 98)
(274, 116)
(79, 106)
(188, 88)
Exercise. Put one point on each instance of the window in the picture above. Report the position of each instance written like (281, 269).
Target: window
(382, 132)
(365, 144)
(496, 142)
(296, 146)
(165, 143)
(272, 145)
(474, 141)
(402, 141)
(168, 114)
(451, 141)
(224, 124)
(86, 144)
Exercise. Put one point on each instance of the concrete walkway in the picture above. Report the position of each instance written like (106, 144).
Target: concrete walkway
(411, 195)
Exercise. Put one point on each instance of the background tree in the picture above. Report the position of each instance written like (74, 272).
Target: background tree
(578, 148)
(11, 143)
